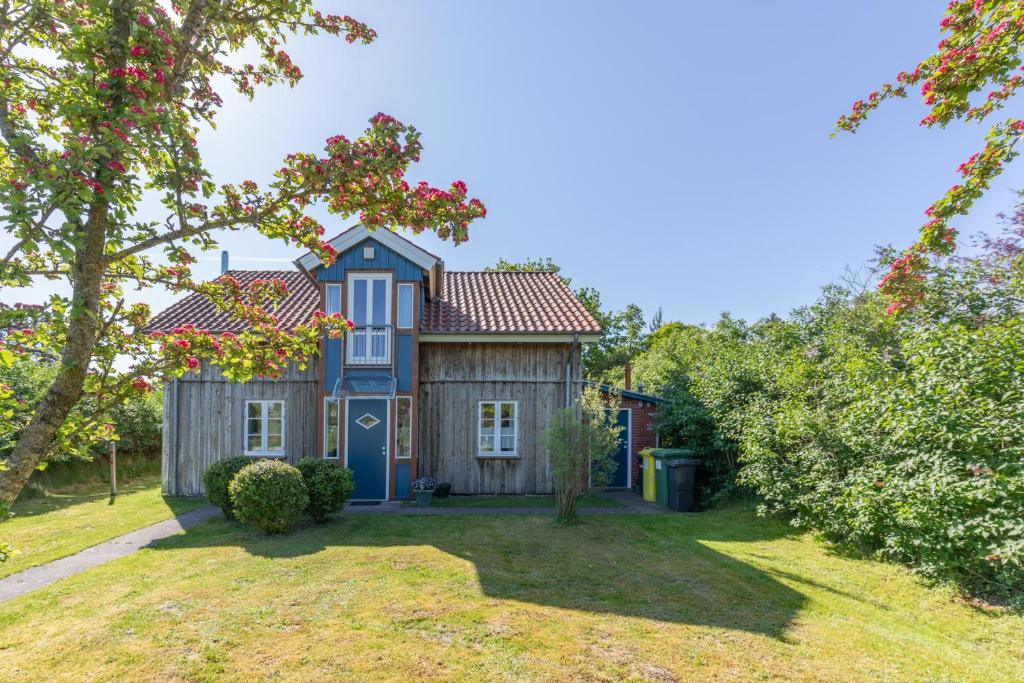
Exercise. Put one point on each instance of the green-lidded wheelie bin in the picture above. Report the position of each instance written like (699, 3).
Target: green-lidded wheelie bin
(661, 457)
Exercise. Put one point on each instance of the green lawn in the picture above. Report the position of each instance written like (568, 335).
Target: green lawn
(66, 521)
(721, 595)
(589, 500)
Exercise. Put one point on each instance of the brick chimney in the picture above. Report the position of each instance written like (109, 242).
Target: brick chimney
(629, 376)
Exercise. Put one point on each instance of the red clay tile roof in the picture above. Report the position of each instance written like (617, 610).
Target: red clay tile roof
(480, 303)
(506, 303)
(296, 308)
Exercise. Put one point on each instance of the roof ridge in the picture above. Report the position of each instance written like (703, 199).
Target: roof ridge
(501, 272)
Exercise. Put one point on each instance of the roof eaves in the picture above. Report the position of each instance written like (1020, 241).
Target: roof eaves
(626, 393)
(389, 238)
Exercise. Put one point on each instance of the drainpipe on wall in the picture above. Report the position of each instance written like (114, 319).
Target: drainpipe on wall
(568, 371)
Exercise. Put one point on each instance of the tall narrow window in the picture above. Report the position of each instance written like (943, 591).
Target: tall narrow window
(333, 304)
(405, 306)
(403, 432)
(331, 432)
(264, 427)
(369, 307)
(498, 428)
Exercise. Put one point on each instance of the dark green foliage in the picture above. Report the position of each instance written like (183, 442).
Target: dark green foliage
(218, 478)
(329, 485)
(269, 494)
(899, 436)
(139, 422)
(685, 422)
(28, 380)
(623, 336)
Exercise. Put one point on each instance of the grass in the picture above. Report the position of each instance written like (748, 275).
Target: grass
(57, 523)
(589, 500)
(722, 595)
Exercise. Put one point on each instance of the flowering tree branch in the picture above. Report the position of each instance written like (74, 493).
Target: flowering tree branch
(981, 50)
(111, 116)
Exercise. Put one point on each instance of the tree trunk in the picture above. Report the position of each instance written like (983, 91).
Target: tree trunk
(87, 280)
(66, 390)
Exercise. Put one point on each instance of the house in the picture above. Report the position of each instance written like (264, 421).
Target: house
(452, 375)
(637, 415)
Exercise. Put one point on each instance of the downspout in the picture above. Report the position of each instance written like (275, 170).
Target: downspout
(568, 371)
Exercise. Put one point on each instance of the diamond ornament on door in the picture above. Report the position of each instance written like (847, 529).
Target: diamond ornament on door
(367, 421)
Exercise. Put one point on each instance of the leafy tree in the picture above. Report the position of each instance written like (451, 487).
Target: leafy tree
(580, 441)
(528, 266)
(657, 320)
(101, 104)
(623, 336)
(136, 422)
(973, 73)
(895, 435)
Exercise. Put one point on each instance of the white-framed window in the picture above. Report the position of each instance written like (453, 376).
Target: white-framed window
(497, 428)
(403, 430)
(369, 309)
(333, 302)
(264, 427)
(405, 306)
(332, 420)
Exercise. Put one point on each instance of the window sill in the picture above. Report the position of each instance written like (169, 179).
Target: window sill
(264, 455)
(498, 456)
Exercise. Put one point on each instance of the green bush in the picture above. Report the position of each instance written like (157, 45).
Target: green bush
(139, 422)
(896, 436)
(218, 477)
(269, 494)
(329, 485)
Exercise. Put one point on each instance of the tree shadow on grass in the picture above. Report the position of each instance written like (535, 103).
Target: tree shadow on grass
(655, 567)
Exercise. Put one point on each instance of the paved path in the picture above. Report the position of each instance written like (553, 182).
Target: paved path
(37, 577)
(631, 504)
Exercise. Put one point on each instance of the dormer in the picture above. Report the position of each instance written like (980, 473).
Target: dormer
(379, 281)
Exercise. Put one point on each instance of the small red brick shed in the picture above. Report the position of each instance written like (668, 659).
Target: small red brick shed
(637, 414)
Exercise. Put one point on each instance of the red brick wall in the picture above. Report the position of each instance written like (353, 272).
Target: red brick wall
(642, 431)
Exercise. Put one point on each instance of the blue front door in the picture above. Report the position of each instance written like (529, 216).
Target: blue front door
(620, 478)
(366, 434)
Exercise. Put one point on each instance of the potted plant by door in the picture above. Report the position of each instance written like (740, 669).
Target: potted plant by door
(424, 490)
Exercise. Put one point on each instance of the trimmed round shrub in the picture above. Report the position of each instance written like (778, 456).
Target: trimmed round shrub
(217, 478)
(329, 486)
(269, 494)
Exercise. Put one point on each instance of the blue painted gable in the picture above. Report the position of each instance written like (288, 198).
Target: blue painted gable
(386, 259)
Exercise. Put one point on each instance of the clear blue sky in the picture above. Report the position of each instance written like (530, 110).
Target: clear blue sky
(667, 153)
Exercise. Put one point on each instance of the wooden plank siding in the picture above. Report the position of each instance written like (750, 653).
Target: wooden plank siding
(208, 423)
(454, 377)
